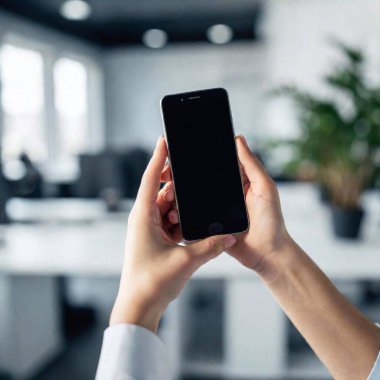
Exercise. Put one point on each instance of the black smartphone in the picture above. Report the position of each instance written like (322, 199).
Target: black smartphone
(204, 162)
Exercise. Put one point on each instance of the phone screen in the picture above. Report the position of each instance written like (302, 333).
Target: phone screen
(204, 163)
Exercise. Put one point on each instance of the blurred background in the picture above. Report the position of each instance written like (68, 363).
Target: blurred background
(81, 83)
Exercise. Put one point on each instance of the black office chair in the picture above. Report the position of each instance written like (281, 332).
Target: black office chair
(134, 162)
(98, 172)
(121, 171)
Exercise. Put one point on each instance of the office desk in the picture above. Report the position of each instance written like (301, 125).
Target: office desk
(78, 238)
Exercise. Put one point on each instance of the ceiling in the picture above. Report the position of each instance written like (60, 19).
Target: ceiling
(120, 22)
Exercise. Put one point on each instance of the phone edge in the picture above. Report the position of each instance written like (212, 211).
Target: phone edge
(236, 154)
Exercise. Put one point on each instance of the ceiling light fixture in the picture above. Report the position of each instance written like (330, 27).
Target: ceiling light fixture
(75, 10)
(155, 38)
(219, 34)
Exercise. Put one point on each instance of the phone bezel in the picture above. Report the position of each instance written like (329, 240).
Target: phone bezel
(175, 100)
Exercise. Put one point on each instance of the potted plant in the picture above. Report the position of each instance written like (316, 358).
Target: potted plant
(340, 138)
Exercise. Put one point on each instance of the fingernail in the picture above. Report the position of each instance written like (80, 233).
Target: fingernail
(229, 241)
(243, 140)
(158, 140)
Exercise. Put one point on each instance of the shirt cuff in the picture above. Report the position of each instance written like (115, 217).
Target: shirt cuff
(375, 373)
(130, 352)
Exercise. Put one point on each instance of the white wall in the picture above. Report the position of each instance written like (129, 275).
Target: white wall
(136, 79)
(298, 34)
(295, 51)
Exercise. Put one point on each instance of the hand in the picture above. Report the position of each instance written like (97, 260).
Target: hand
(155, 267)
(259, 247)
(328, 322)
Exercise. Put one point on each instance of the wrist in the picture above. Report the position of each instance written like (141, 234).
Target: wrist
(280, 260)
(136, 312)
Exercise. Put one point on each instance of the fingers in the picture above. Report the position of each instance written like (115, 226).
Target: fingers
(252, 166)
(207, 249)
(244, 177)
(150, 183)
(170, 220)
(246, 187)
(166, 174)
(165, 198)
(176, 234)
(173, 217)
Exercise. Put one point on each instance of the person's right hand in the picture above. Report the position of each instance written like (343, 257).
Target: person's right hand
(259, 247)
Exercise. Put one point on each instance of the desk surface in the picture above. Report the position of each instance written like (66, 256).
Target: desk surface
(77, 237)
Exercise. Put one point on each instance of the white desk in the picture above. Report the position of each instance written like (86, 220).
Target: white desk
(77, 238)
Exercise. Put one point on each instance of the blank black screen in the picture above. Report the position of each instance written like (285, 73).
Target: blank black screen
(204, 164)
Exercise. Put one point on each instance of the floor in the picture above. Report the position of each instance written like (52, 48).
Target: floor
(80, 359)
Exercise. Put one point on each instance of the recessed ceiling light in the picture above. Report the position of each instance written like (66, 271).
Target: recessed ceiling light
(75, 10)
(155, 38)
(219, 34)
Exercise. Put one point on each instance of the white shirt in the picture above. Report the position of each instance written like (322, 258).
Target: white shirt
(131, 352)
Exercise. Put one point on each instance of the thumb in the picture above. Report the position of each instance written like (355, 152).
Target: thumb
(211, 247)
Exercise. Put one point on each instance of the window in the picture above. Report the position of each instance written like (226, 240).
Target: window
(22, 98)
(71, 104)
(49, 112)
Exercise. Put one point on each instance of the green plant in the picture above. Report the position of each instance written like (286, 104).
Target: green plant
(339, 136)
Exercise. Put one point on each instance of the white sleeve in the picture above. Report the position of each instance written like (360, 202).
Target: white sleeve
(131, 352)
(375, 373)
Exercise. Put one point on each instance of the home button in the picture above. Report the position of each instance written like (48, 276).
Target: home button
(215, 228)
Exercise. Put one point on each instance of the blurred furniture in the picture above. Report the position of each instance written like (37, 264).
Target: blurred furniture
(121, 171)
(97, 172)
(4, 195)
(30, 328)
(78, 238)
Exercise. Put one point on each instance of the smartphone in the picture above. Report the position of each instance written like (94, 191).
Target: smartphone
(204, 162)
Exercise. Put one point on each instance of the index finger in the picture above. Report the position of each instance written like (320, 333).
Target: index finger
(253, 169)
(150, 182)
(166, 174)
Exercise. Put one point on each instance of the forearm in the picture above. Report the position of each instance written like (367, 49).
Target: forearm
(136, 308)
(123, 312)
(345, 341)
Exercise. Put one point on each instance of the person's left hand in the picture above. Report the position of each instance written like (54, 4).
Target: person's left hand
(155, 267)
